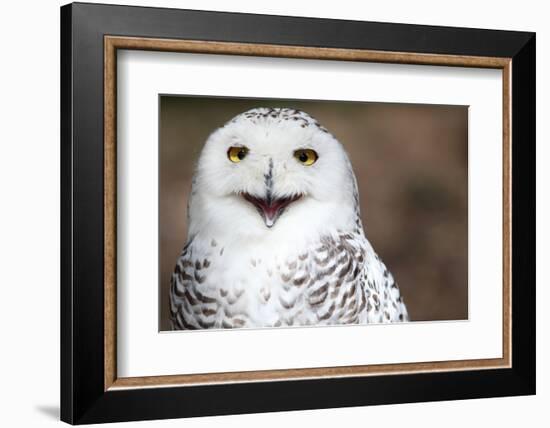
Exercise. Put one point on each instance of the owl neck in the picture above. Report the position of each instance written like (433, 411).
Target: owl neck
(232, 222)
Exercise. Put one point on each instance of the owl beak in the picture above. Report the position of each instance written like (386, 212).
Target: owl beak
(270, 208)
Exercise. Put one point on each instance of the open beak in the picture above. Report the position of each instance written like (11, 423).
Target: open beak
(270, 208)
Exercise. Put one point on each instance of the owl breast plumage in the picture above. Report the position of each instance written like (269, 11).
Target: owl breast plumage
(278, 246)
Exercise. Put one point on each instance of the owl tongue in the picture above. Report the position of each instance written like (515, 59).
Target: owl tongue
(271, 208)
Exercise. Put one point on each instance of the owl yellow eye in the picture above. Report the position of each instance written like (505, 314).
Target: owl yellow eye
(306, 157)
(237, 154)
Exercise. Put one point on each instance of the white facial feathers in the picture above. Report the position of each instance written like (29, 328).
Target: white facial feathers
(270, 186)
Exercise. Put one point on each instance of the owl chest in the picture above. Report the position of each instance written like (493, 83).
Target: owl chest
(337, 281)
(272, 293)
(254, 295)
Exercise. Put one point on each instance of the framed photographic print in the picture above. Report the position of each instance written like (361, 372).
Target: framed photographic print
(265, 213)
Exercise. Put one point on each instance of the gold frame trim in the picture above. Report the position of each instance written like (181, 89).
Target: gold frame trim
(112, 43)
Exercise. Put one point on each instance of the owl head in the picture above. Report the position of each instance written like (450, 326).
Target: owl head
(272, 172)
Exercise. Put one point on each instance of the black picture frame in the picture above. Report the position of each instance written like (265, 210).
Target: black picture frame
(83, 396)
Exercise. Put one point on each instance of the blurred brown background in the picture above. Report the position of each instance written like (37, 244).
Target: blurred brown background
(411, 164)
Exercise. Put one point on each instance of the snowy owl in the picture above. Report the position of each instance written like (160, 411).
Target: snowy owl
(275, 236)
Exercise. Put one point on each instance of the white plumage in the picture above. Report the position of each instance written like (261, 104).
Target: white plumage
(274, 233)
